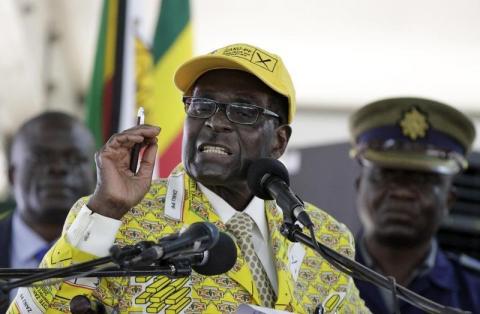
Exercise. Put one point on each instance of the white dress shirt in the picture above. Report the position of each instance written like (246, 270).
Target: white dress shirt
(260, 237)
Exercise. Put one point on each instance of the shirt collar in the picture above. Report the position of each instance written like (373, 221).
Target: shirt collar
(255, 209)
(26, 242)
(429, 261)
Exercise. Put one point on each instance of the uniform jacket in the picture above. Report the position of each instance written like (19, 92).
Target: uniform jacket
(300, 289)
(448, 283)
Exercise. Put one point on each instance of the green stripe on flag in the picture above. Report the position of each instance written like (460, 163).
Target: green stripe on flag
(174, 16)
(95, 94)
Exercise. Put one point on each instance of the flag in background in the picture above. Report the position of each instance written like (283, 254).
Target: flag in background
(99, 94)
(110, 100)
(172, 45)
(127, 74)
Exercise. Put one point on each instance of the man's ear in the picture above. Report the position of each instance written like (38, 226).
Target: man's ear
(282, 136)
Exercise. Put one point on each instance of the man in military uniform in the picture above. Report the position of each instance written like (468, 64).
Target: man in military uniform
(239, 102)
(410, 149)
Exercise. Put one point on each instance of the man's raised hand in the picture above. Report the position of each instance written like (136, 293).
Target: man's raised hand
(118, 188)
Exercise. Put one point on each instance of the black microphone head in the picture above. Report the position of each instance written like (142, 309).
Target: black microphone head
(257, 171)
(205, 230)
(221, 257)
(198, 237)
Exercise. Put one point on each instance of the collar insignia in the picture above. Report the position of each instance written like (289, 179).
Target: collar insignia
(414, 124)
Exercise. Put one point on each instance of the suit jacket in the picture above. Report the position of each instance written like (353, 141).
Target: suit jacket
(5, 247)
(5, 241)
(301, 288)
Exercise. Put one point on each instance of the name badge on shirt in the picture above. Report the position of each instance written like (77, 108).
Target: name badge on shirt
(296, 253)
(174, 198)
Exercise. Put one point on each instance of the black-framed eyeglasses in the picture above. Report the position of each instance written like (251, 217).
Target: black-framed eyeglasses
(240, 113)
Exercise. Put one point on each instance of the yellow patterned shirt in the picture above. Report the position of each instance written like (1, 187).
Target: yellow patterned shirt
(300, 288)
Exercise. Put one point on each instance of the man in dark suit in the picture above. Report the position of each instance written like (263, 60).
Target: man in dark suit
(410, 149)
(50, 167)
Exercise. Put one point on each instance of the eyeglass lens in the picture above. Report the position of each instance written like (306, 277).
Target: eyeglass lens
(237, 113)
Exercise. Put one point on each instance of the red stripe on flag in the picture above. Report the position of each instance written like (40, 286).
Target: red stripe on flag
(171, 157)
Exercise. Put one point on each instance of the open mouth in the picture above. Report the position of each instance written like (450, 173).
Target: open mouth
(214, 149)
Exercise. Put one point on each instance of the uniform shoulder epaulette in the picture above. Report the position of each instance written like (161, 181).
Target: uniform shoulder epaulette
(467, 262)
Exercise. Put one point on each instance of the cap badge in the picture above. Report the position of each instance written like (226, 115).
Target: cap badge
(250, 54)
(263, 60)
(414, 124)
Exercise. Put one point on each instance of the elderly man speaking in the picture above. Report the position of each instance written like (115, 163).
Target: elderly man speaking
(239, 103)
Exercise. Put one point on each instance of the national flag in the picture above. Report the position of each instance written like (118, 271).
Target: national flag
(172, 45)
(128, 74)
(111, 96)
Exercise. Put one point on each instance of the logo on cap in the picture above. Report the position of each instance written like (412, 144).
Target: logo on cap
(263, 60)
(414, 124)
(250, 54)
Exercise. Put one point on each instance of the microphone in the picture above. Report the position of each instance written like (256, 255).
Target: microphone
(219, 259)
(198, 237)
(268, 179)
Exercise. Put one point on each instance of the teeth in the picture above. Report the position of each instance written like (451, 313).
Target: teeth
(215, 150)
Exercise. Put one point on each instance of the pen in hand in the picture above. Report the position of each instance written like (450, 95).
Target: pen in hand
(136, 148)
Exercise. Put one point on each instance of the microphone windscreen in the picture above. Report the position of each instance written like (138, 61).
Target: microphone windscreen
(258, 169)
(221, 257)
(205, 229)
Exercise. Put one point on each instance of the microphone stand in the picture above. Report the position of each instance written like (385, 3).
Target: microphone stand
(166, 270)
(354, 269)
(87, 269)
(114, 265)
(122, 262)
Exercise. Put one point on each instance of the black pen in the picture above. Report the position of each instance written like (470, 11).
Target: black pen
(136, 148)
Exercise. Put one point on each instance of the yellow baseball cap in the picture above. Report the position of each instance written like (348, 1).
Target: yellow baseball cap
(412, 133)
(266, 66)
